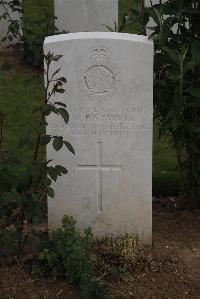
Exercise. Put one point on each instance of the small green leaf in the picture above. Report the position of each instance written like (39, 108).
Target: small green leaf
(173, 54)
(48, 108)
(47, 181)
(10, 38)
(57, 57)
(57, 143)
(61, 169)
(64, 114)
(52, 173)
(109, 28)
(59, 89)
(69, 147)
(50, 192)
(60, 104)
(56, 72)
(4, 39)
(157, 16)
(62, 79)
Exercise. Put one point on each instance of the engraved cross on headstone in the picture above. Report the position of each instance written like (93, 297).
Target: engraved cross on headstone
(100, 168)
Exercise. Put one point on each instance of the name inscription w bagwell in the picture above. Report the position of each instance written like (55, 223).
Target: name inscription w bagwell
(109, 99)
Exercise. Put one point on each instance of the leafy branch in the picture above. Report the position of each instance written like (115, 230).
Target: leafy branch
(176, 37)
(23, 191)
(15, 24)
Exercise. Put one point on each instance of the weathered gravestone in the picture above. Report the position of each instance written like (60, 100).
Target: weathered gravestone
(109, 96)
(85, 15)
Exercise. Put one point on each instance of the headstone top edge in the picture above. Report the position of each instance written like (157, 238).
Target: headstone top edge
(97, 35)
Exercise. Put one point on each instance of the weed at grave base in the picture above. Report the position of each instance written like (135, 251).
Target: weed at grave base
(116, 255)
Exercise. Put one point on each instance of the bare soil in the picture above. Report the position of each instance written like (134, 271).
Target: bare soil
(171, 269)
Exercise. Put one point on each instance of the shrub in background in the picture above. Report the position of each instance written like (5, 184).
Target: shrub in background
(38, 22)
(32, 22)
(176, 36)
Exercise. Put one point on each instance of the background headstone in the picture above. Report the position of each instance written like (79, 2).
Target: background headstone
(85, 15)
(109, 96)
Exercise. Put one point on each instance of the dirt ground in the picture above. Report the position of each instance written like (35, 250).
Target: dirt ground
(173, 267)
(170, 270)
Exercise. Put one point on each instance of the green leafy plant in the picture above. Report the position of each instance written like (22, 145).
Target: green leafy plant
(15, 24)
(176, 36)
(23, 189)
(27, 30)
(67, 255)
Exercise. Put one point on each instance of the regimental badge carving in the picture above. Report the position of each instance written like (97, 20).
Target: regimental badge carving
(100, 78)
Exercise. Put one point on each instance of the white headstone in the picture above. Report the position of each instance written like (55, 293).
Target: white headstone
(109, 96)
(85, 15)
